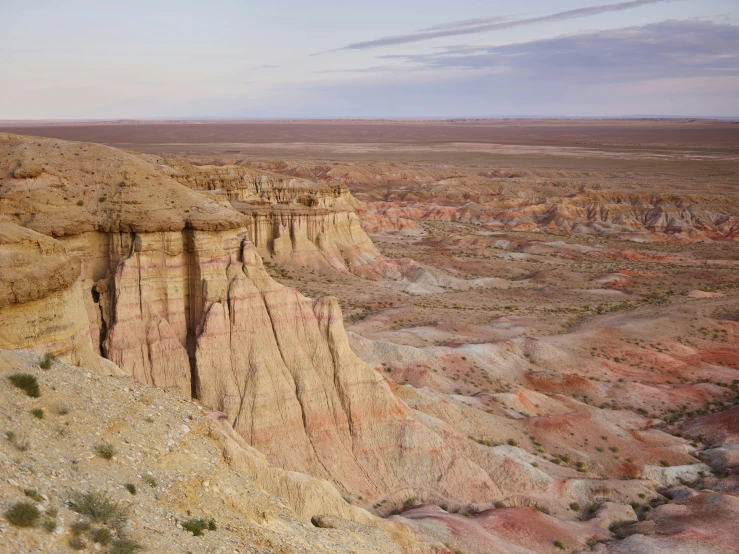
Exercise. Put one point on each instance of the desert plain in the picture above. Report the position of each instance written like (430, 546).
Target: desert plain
(478, 335)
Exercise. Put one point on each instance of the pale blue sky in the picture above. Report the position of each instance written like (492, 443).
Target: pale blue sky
(330, 58)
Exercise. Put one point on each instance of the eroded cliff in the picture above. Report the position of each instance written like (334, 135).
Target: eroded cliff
(172, 290)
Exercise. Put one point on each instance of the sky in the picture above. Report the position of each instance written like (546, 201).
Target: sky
(100, 59)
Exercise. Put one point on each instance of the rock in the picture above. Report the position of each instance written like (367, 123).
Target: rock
(726, 457)
(610, 513)
(666, 477)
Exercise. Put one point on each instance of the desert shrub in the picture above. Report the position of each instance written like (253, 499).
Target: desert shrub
(125, 546)
(105, 450)
(38, 413)
(27, 383)
(62, 410)
(410, 502)
(77, 543)
(49, 524)
(470, 510)
(197, 526)
(47, 361)
(23, 514)
(574, 506)
(149, 480)
(33, 494)
(101, 535)
(52, 512)
(559, 545)
(512, 442)
(80, 527)
(664, 463)
(100, 507)
(130, 487)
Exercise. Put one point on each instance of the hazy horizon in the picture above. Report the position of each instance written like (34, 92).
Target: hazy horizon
(161, 59)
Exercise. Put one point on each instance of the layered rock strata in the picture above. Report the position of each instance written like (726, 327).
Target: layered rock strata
(171, 289)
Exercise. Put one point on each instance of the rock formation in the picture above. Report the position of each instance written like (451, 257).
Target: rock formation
(171, 289)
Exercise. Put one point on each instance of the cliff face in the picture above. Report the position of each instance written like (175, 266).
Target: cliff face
(178, 298)
(292, 220)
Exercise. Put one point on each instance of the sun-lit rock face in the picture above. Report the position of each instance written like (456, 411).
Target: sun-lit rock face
(292, 220)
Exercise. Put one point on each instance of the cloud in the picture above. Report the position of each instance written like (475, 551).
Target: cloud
(470, 26)
(661, 50)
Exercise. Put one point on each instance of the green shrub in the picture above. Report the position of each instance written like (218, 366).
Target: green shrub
(559, 545)
(38, 413)
(80, 527)
(125, 546)
(105, 450)
(27, 383)
(23, 514)
(47, 361)
(512, 442)
(197, 526)
(100, 507)
(33, 494)
(574, 506)
(664, 463)
(149, 480)
(101, 535)
(130, 487)
(49, 524)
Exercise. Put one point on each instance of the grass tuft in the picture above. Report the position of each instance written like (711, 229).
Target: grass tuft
(100, 507)
(47, 361)
(125, 546)
(27, 383)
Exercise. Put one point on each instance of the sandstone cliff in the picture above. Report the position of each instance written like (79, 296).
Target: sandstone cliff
(172, 290)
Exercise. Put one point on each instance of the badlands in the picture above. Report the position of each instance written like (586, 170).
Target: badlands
(463, 336)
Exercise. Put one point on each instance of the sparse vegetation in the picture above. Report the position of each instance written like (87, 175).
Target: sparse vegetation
(100, 508)
(130, 487)
(125, 546)
(27, 383)
(23, 514)
(47, 361)
(76, 542)
(105, 450)
(49, 524)
(197, 526)
(101, 535)
(33, 494)
(38, 413)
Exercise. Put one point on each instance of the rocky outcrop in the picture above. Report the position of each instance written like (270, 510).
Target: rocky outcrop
(292, 220)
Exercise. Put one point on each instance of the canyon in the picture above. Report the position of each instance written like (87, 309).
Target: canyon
(497, 360)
